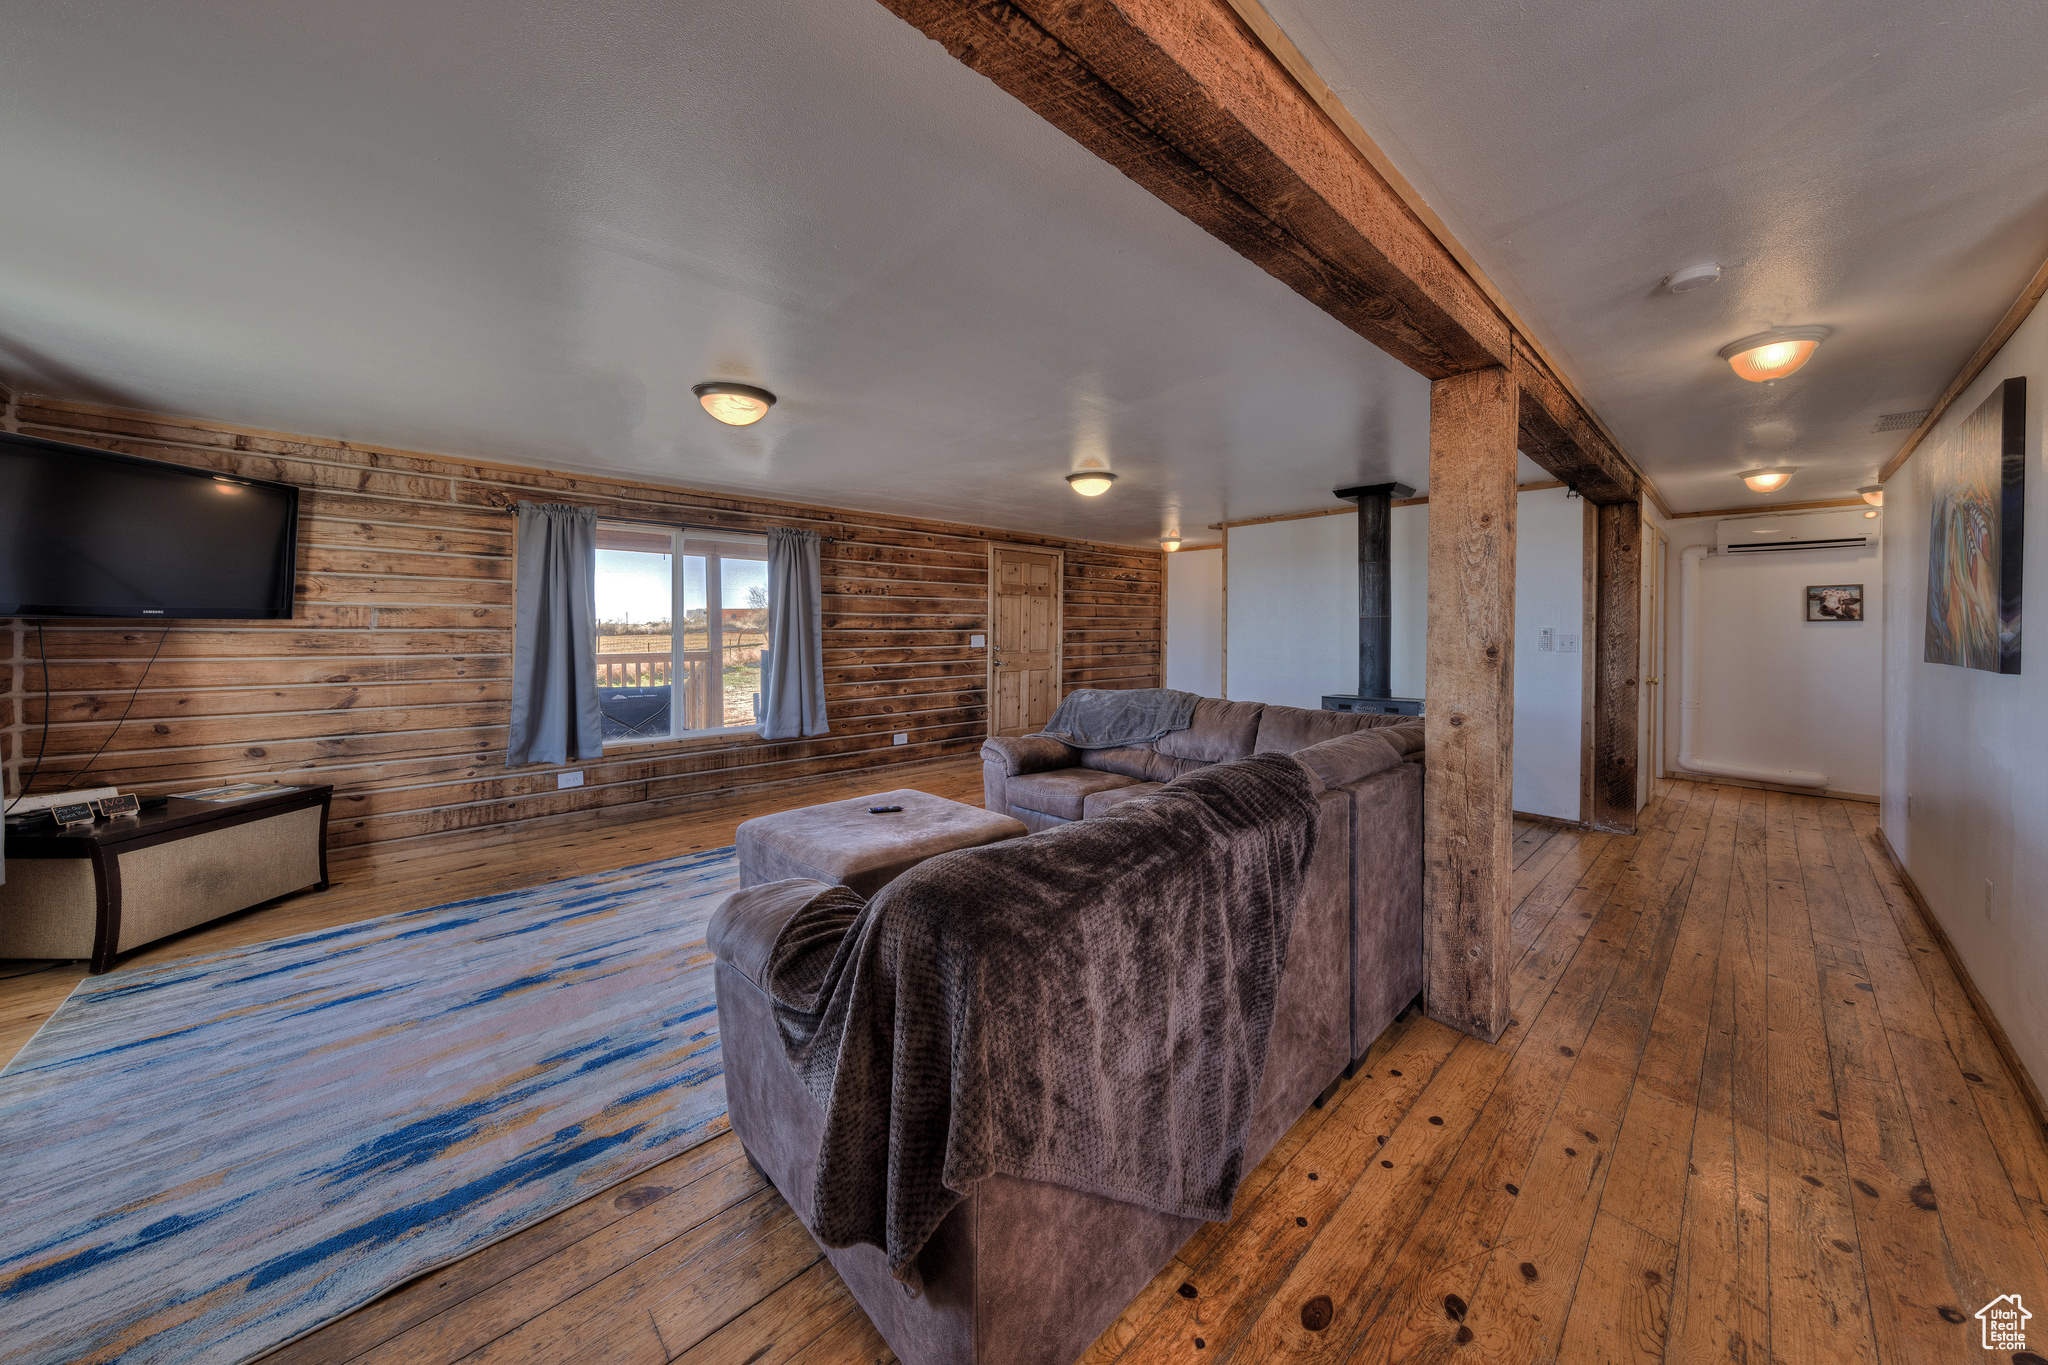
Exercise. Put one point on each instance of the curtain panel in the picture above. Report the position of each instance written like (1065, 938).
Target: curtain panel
(793, 665)
(554, 637)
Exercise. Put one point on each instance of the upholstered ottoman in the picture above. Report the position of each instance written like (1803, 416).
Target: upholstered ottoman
(841, 842)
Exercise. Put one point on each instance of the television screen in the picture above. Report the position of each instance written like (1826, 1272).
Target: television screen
(86, 532)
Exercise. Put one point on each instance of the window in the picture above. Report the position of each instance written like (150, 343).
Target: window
(655, 681)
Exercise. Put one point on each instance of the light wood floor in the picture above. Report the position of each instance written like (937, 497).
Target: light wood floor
(1744, 1113)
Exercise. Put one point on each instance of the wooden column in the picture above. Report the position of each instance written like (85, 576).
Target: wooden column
(1468, 820)
(1617, 667)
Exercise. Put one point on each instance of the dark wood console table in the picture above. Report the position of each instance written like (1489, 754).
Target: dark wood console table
(96, 891)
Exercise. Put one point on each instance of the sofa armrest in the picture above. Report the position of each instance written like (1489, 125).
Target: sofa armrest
(744, 929)
(1028, 753)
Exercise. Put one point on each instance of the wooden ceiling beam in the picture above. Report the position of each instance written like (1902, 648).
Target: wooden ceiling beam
(1558, 434)
(1183, 98)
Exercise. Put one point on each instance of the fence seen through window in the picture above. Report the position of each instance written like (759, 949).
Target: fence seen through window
(654, 680)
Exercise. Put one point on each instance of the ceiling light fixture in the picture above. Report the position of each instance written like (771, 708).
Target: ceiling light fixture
(1091, 483)
(1873, 494)
(736, 405)
(1870, 515)
(1692, 277)
(1169, 543)
(1769, 480)
(1773, 354)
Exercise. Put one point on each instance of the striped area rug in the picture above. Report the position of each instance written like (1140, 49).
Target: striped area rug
(201, 1160)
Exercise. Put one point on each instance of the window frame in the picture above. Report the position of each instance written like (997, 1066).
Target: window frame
(679, 539)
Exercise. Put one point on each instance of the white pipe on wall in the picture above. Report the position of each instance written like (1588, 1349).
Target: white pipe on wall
(1689, 690)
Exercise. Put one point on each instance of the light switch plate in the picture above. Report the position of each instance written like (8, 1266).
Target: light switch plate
(1567, 644)
(977, 642)
(574, 779)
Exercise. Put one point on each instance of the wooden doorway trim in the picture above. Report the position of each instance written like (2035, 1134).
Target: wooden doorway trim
(1059, 605)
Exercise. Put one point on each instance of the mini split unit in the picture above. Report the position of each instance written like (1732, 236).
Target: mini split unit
(1845, 530)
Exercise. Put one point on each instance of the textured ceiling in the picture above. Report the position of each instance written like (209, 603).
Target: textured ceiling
(1876, 167)
(522, 231)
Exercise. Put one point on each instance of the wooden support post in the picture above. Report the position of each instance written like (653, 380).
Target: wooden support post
(1617, 667)
(1468, 819)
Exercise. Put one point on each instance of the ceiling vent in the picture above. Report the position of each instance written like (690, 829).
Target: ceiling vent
(1782, 534)
(1901, 421)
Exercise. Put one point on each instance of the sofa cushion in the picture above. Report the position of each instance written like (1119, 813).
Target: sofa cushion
(1222, 731)
(1284, 729)
(1062, 793)
(1348, 758)
(1132, 760)
(1095, 803)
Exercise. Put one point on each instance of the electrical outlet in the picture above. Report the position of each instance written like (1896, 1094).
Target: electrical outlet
(1990, 900)
(1567, 644)
(1546, 640)
(977, 642)
(902, 737)
(573, 779)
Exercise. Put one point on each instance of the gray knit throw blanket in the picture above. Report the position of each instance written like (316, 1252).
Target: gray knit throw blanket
(1087, 1007)
(1108, 718)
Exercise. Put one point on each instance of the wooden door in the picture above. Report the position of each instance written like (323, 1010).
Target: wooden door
(1024, 639)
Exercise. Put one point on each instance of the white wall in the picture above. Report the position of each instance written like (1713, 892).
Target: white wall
(1293, 607)
(1777, 690)
(1293, 604)
(1550, 564)
(1194, 621)
(1969, 749)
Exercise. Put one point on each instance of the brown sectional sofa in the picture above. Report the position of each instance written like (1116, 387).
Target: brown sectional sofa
(1025, 1273)
(1371, 828)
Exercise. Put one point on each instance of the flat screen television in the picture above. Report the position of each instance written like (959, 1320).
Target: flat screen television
(86, 532)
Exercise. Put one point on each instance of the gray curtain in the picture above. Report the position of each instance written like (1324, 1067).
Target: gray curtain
(793, 665)
(554, 638)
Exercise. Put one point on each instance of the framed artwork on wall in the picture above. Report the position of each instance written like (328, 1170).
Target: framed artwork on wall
(1834, 602)
(1975, 549)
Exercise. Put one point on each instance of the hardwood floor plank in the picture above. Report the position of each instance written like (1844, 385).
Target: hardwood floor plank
(781, 1325)
(1622, 1303)
(1236, 1273)
(440, 1293)
(1820, 1306)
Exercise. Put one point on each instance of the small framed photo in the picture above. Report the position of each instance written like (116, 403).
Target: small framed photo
(1835, 602)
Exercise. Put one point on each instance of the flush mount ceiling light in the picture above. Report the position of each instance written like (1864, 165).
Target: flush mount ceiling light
(1874, 494)
(1692, 277)
(1769, 480)
(1773, 354)
(1169, 543)
(736, 405)
(1091, 483)
(1870, 515)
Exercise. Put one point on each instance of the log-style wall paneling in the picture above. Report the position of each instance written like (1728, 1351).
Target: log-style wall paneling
(1469, 725)
(1617, 661)
(393, 680)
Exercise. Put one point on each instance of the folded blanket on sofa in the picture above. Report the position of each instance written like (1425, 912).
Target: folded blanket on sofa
(1100, 718)
(1088, 1007)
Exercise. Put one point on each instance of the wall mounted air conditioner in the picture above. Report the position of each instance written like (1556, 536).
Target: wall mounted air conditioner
(1843, 530)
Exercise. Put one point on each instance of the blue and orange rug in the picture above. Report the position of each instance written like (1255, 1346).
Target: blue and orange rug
(204, 1159)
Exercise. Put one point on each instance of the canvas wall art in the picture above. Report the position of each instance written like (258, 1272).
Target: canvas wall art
(1835, 602)
(1978, 476)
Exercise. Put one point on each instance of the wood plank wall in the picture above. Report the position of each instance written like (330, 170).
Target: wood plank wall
(392, 682)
